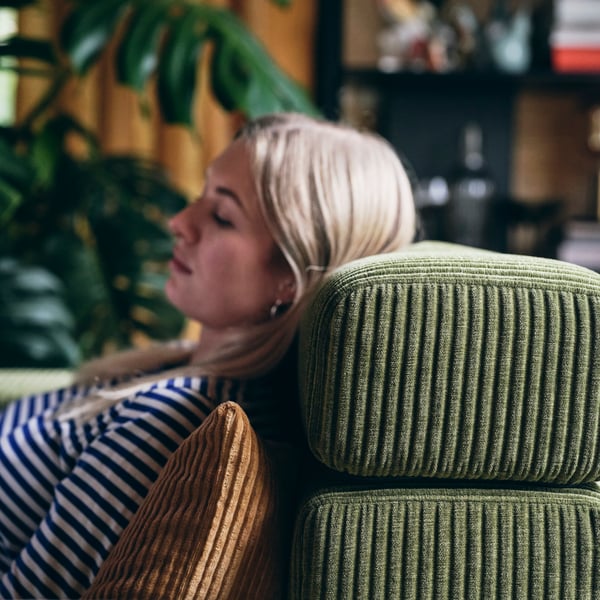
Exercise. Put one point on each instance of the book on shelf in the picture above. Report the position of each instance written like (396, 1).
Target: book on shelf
(576, 59)
(575, 36)
(577, 13)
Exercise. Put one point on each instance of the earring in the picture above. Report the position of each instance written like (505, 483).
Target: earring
(276, 309)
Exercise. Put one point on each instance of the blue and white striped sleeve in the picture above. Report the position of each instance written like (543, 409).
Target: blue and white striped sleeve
(20, 410)
(115, 459)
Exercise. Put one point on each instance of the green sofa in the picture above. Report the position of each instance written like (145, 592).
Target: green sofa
(450, 400)
(15, 383)
(453, 398)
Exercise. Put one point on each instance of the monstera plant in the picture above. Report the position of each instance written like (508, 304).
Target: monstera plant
(83, 244)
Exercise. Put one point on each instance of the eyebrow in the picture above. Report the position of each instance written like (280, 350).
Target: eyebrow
(225, 191)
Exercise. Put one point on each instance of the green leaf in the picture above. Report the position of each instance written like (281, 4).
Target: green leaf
(137, 54)
(178, 66)
(120, 263)
(25, 47)
(10, 199)
(87, 30)
(14, 169)
(234, 82)
(48, 146)
(37, 311)
(282, 3)
(87, 292)
(228, 82)
(38, 348)
(134, 238)
(245, 77)
(35, 323)
(145, 182)
(16, 178)
(18, 280)
(156, 317)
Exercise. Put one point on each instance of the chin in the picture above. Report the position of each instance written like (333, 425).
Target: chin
(171, 293)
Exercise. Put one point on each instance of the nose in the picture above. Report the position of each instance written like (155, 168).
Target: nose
(184, 226)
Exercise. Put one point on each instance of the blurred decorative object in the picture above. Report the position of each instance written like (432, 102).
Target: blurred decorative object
(358, 106)
(431, 199)
(419, 37)
(397, 11)
(508, 37)
(472, 193)
(431, 192)
(96, 223)
(575, 37)
(414, 38)
(461, 18)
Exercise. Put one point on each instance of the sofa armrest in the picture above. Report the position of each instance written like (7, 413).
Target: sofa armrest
(15, 383)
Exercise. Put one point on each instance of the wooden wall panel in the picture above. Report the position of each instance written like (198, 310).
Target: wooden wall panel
(550, 158)
(287, 33)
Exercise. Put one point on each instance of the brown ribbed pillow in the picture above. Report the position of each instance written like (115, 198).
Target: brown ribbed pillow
(210, 525)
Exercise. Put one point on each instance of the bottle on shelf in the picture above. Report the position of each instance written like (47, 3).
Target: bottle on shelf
(472, 193)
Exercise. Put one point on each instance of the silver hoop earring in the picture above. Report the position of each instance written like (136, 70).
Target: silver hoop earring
(276, 309)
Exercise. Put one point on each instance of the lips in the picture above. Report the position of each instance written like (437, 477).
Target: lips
(178, 265)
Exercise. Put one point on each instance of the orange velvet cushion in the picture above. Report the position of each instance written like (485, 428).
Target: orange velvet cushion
(210, 526)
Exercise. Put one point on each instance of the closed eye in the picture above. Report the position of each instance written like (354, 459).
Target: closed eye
(220, 221)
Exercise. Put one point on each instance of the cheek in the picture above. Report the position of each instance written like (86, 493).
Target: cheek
(237, 261)
(220, 260)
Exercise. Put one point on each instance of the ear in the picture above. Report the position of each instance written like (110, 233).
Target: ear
(287, 290)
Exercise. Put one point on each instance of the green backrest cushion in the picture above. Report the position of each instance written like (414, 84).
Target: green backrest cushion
(446, 544)
(445, 361)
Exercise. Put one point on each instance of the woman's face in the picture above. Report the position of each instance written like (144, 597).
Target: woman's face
(226, 269)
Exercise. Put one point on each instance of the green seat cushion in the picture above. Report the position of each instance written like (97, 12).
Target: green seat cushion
(444, 361)
(15, 383)
(447, 544)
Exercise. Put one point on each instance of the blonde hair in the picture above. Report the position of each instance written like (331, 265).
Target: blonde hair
(329, 195)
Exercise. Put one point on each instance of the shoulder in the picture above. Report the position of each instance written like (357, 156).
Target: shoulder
(179, 390)
(152, 359)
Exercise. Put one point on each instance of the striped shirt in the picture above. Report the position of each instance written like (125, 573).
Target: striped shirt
(68, 489)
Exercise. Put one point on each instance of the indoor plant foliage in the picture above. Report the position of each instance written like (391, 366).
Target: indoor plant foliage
(83, 243)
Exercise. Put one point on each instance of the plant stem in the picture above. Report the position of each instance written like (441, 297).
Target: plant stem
(46, 100)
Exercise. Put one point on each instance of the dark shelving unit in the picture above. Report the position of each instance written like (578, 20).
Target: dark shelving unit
(474, 81)
(422, 113)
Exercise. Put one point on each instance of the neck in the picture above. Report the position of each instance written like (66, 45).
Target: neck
(209, 340)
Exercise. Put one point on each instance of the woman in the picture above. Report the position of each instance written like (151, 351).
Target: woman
(290, 199)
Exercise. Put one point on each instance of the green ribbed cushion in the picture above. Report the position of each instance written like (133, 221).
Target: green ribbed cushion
(443, 361)
(15, 383)
(447, 544)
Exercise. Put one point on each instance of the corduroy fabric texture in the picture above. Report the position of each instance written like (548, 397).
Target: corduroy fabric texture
(443, 361)
(210, 525)
(413, 544)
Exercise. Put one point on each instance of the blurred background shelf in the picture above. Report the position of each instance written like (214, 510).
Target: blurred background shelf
(547, 80)
(536, 124)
